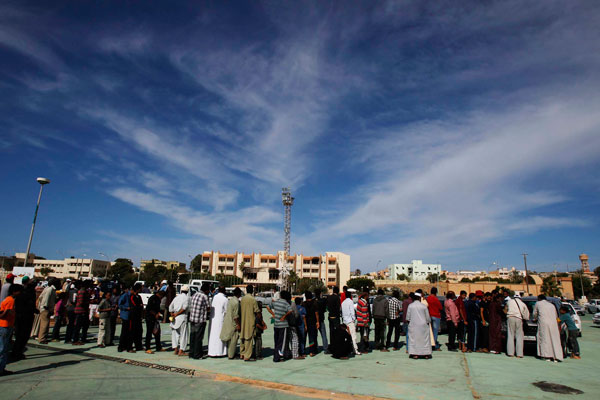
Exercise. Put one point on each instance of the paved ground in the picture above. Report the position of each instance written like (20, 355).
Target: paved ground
(376, 375)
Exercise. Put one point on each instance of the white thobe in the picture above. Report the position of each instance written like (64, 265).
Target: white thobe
(419, 321)
(179, 326)
(548, 335)
(216, 347)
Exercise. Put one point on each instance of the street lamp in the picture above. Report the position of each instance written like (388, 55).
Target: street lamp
(42, 182)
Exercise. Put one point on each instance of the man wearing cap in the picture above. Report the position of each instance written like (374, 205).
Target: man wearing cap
(47, 302)
(516, 311)
(419, 332)
(179, 326)
(4, 291)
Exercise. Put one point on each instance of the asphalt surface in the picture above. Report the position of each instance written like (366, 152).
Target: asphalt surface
(69, 371)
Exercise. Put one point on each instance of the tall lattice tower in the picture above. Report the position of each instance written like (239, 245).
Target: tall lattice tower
(288, 202)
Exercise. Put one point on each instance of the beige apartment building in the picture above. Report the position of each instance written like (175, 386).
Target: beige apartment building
(69, 267)
(332, 268)
(176, 265)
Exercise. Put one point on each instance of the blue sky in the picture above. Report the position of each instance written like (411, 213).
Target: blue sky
(464, 133)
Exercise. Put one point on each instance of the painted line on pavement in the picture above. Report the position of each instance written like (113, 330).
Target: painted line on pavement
(465, 365)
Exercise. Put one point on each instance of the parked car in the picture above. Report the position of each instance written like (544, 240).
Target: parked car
(578, 308)
(266, 298)
(596, 318)
(593, 306)
(574, 315)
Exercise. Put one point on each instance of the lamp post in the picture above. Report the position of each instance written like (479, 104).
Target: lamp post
(42, 182)
(526, 273)
(81, 268)
(108, 260)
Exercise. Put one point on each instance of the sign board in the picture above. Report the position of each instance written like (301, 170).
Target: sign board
(20, 272)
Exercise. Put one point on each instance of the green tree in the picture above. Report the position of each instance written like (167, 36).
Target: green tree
(432, 278)
(196, 264)
(154, 273)
(550, 287)
(359, 283)
(121, 269)
(45, 271)
(309, 284)
(292, 280)
(515, 277)
(578, 278)
(402, 277)
(443, 277)
(466, 280)
(597, 271)
(358, 272)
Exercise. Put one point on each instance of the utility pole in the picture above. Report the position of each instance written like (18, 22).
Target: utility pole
(526, 273)
(287, 201)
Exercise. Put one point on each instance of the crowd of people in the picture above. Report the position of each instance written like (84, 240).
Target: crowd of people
(474, 322)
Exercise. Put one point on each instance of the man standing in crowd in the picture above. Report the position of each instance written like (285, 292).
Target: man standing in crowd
(47, 302)
(463, 322)
(322, 307)
(114, 313)
(104, 310)
(435, 312)
(484, 313)
(179, 326)
(125, 312)
(7, 322)
(230, 333)
(380, 313)
(334, 308)
(419, 330)
(548, 336)
(198, 311)
(135, 317)
(312, 323)
(280, 311)
(394, 320)
(405, 305)
(248, 311)
(452, 319)
(472, 323)
(25, 311)
(153, 318)
(348, 320)
(363, 321)
(216, 347)
(171, 293)
(495, 328)
(516, 311)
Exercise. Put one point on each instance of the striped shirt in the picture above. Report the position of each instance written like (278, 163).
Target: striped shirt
(198, 308)
(394, 307)
(82, 304)
(280, 308)
(362, 313)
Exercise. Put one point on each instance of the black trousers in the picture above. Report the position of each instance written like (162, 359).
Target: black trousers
(281, 340)
(460, 332)
(82, 323)
(22, 332)
(136, 333)
(113, 328)
(379, 333)
(70, 326)
(472, 336)
(125, 337)
(313, 345)
(572, 342)
(150, 323)
(258, 346)
(333, 324)
(484, 336)
(393, 326)
(56, 328)
(363, 343)
(196, 336)
(451, 335)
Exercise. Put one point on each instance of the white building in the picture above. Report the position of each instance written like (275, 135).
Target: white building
(333, 268)
(415, 271)
(68, 267)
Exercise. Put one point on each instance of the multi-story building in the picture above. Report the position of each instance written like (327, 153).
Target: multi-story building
(333, 268)
(71, 267)
(176, 265)
(415, 271)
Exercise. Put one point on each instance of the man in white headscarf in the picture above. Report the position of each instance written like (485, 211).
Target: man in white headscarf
(179, 321)
(419, 333)
(548, 335)
(216, 347)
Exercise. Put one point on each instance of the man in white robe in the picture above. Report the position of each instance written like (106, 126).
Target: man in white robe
(179, 321)
(419, 321)
(216, 347)
(548, 335)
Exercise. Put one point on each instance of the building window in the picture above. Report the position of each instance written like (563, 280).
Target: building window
(251, 275)
(274, 275)
(205, 258)
(306, 271)
(332, 271)
(331, 280)
(229, 259)
(331, 262)
(246, 260)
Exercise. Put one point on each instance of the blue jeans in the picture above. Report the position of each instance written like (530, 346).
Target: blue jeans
(5, 335)
(323, 331)
(435, 327)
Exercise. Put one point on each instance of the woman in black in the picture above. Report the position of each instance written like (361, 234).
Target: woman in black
(341, 346)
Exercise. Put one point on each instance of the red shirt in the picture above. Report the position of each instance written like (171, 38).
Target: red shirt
(460, 304)
(342, 297)
(435, 307)
(9, 319)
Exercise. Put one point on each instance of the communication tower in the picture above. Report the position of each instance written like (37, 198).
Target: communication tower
(288, 202)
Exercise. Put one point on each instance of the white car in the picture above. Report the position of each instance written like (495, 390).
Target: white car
(593, 306)
(574, 315)
(596, 318)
